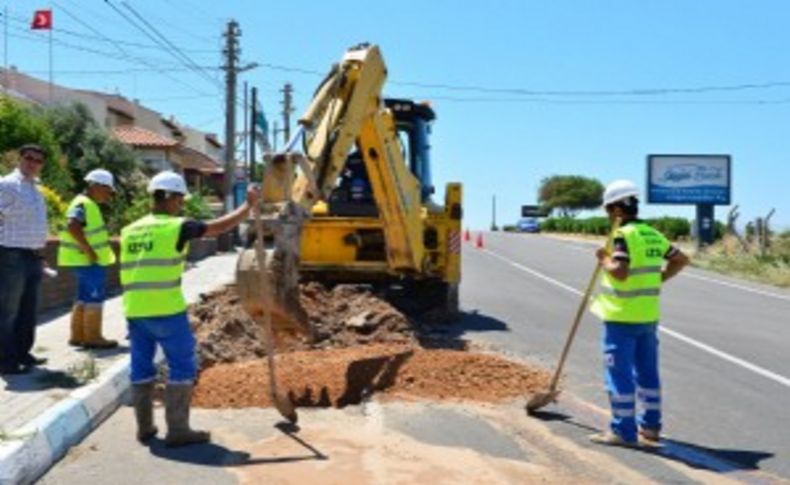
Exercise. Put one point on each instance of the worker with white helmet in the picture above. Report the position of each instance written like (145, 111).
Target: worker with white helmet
(642, 259)
(153, 254)
(85, 248)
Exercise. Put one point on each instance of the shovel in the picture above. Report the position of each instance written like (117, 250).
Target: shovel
(541, 399)
(283, 404)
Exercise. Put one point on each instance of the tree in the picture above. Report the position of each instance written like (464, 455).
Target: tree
(87, 146)
(570, 194)
(20, 125)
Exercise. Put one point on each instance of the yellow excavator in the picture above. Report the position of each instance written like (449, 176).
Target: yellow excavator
(355, 206)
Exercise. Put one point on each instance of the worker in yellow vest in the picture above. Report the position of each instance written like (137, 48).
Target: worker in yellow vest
(153, 254)
(641, 260)
(85, 248)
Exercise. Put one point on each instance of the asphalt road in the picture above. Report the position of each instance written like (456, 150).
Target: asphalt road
(725, 347)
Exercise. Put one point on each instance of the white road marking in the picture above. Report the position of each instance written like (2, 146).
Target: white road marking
(689, 274)
(736, 286)
(662, 328)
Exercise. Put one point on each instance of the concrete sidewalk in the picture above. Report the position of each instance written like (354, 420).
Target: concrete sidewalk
(44, 413)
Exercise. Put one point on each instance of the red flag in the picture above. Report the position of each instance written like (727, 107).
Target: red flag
(42, 20)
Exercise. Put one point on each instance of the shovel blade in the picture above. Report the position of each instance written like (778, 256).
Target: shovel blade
(285, 407)
(541, 399)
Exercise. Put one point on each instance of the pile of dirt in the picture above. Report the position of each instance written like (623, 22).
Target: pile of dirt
(343, 376)
(343, 316)
(363, 345)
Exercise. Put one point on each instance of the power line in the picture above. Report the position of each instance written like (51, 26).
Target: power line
(596, 93)
(195, 11)
(576, 102)
(534, 92)
(145, 32)
(109, 55)
(99, 36)
(110, 72)
(173, 48)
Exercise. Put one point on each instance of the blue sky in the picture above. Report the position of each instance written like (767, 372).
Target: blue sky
(496, 143)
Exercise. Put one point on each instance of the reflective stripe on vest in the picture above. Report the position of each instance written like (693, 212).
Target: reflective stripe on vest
(151, 267)
(70, 252)
(635, 300)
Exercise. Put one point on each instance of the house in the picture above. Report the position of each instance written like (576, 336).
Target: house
(163, 143)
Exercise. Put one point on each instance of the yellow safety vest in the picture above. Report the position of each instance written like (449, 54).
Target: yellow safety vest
(151, 267)
(635, 300)
(70, 252)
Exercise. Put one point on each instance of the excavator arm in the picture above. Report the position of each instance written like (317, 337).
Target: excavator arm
(346, 112)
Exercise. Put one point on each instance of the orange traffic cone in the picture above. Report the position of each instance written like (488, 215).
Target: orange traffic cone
(479, 241)
(467, 236)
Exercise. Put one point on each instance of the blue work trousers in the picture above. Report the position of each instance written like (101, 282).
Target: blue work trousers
(631, 373)
(91, 284)
(174, 335)
(20, 281)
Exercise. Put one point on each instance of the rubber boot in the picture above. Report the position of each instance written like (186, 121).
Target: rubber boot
(77, 338)
(143, 402)
(177, 400)
(93, 330)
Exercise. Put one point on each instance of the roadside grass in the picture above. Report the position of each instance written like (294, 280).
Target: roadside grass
(8, 436)
(728, 257)
(75, 375)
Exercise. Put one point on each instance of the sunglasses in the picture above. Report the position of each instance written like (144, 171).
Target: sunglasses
(34, 159)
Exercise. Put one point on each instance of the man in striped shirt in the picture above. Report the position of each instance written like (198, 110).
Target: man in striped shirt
(23, 234)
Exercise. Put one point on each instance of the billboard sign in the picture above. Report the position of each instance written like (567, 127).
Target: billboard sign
(689, 179)
(533, 211)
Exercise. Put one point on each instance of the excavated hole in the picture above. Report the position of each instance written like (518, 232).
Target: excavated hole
(364, 347)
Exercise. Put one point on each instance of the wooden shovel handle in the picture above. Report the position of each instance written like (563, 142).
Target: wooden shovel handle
(260, 255)
(580, 311)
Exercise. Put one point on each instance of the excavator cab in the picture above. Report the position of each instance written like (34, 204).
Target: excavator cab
(353, 196)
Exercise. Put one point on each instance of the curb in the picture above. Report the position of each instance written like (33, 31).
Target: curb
(46, 439)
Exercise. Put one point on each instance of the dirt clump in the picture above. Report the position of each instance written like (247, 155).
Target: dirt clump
(362, 346)
(341, 317)
(345, 376)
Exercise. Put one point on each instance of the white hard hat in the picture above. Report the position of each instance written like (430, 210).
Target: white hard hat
(101, 176)
(169, 182)
(619, 190)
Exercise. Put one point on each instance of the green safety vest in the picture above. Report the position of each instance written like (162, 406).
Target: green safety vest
(151, 267)
(635, 300)
(70, 252)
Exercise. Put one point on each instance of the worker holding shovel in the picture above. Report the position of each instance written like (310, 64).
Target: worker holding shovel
(153, 256)
(628, 304)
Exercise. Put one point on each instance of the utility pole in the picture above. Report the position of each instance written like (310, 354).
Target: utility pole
(253, 130)
(246, 145)
(287, 101)
(493, 214)
(275, 133)
(231, 53)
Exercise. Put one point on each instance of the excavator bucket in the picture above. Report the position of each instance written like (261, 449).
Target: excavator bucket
(280, 292)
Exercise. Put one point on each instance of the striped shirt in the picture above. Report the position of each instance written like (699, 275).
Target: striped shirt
(23, 213)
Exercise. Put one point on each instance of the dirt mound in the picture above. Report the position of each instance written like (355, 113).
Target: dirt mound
(340, 377)
(343, 316)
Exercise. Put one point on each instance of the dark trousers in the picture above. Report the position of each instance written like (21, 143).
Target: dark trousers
(20, 279)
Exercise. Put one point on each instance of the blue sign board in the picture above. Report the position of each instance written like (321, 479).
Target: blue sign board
(688, 179)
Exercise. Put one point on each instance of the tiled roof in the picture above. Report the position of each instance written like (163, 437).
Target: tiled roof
(140, 137)
(189, 158)
(212, 138)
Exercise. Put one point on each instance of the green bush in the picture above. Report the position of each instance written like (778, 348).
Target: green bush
(672, 227)
(56, 209)
(20, 125)
(196, 206)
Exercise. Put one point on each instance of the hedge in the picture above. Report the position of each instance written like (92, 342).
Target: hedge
(672, 227)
